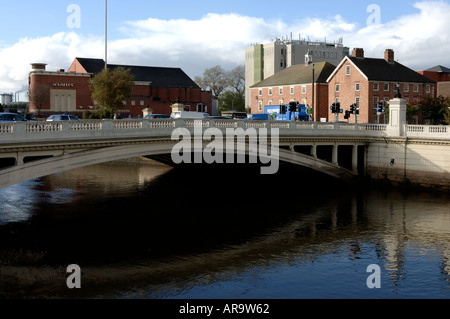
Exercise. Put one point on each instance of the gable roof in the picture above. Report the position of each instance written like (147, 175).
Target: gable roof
(299, 74)
(439, 68)
(383, 71)
(158, 76)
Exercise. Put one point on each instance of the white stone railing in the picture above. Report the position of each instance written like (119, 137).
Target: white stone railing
(427, 131)
(11, 133)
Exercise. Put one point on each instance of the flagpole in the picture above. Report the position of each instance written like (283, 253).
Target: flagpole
(106, 34)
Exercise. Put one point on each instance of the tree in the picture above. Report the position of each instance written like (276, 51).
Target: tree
(214, 79)
(232, 101)
(434, 109)
(110, 88)
(236, 79)
(38, 96)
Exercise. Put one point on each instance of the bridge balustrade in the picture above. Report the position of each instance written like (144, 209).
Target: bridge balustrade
(16, 132)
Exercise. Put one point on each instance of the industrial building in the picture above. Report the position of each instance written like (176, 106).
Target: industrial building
(265, 60)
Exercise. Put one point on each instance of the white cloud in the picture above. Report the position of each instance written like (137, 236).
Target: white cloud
(419, 40)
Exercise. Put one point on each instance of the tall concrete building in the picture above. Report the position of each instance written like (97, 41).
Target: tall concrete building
(264, 60)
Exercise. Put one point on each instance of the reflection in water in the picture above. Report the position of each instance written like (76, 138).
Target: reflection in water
(142, 230)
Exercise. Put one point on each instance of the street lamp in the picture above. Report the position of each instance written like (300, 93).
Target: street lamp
(106, 34)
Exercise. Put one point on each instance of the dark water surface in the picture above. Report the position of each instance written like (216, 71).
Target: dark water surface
(143, 230)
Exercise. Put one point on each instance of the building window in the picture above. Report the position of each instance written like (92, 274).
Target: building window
(376, 86)
(280, 91)
(260, 92)
(270, 102)
(142, 102)
(416, 88)
(428, 89)
(357, 87)
(347, 70)
(281, 102)
(303, 89)
(375, 101)
(386, 87)
(337, 87)
(133, 103)
(406, 88)
(292, 90)
(260, 103)
(270, 91)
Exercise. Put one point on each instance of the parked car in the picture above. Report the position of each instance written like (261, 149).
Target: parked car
(156, 116)
(11, 117)
(62, 117)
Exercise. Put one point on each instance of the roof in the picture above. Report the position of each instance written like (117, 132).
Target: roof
(384, 71)
(299, 74)
(439, 68)
(158, 76)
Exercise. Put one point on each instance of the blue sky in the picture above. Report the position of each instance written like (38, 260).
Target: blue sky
(196, 35)
(29, 18)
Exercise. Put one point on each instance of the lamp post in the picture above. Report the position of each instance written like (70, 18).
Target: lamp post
(313, 93)
(106, 34)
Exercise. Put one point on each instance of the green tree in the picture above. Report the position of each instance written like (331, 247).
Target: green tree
(231, 100)
(434, 109)
(110, 88)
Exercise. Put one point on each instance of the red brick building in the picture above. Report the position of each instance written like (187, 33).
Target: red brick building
(441, 75)
(367, 81)
(295, 84)
(155, 87)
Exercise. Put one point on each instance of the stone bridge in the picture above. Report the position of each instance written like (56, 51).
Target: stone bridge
(394, 152)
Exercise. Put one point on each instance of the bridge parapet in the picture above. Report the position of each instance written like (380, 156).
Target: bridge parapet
(12, 133)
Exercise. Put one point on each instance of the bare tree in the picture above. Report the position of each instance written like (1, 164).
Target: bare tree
(214, 79)
(236, 79)
(38, 96)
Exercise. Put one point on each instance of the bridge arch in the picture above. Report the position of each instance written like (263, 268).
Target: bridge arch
(156, 149)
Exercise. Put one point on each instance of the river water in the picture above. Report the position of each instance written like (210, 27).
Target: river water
(141, 230)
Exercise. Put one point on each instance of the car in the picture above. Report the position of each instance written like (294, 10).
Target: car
(218, 118)
(62, 117)
(156, 116)
(11, 117)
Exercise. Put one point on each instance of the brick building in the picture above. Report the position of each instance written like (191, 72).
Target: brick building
(295, 84)
(367, 81)
(441, 75)
(155, 87)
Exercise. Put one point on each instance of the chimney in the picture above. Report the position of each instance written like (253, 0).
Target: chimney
(38, 66)
(389, 55)
(358, 53)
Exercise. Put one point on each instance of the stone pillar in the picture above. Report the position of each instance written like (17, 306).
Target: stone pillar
(355, 158)
(177, 107)
(335, 156)
(397, 117)
(147, 111)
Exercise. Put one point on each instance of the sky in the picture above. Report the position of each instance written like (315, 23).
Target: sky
(196, 35)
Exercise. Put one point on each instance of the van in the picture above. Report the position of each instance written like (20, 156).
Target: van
(189, 115)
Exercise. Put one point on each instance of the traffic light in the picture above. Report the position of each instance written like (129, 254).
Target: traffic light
(347, 114)
(333, 108)
(380, 108)
(283, 109)
(292, 107)
(353, 109)
(338, 107)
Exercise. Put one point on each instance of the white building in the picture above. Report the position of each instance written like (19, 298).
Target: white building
(264, 60)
